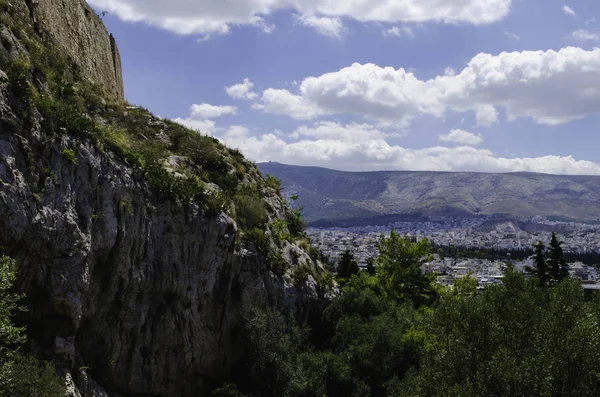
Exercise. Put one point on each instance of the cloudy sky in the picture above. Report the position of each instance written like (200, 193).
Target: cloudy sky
(456, 85)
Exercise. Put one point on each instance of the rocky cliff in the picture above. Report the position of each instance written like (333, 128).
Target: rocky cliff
(76, 28)
(142, 246)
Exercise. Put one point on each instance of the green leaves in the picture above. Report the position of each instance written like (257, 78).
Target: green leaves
(20, 375)
(9, 334)
(398, 269)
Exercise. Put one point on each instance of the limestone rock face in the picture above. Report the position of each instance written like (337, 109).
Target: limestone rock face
(80, 33)
(148, 295)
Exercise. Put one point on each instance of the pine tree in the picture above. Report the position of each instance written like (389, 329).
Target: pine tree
(559, 269)
(347, 266)
(371, 266)
(541, 266)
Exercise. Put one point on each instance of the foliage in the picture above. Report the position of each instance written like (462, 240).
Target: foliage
(23, 375)
(300, 274)
(9, 334)
(20, 375)
(279, 229)
(550, 264)
(250, 209)
(347, 266)
(398, 268)
(556, 259)
(511, 339)
(69, 154)
(228, 390)
(273, 183)
(296, 224)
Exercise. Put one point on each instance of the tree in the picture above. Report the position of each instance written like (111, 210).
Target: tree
(20, 375)
(347, 266)
(511, 339)
(559, 269)
(541, 266)
(399, 269)
(371, 266)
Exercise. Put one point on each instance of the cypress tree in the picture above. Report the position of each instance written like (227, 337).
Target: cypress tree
(557, 264)
(541, 266)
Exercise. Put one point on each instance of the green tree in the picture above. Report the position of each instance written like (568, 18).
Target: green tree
(511, 339)
(541, 269)
(347, 266)
(559, 269)
(371, 265)
(399, 269)
(20, 375)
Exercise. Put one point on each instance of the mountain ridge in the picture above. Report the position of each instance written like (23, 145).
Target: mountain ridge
(333, 196)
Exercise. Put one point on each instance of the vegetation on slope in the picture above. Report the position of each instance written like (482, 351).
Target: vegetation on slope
(396, 333)
(178, 164)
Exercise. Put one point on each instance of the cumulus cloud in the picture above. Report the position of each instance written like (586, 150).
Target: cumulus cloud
(206, 127)
(201, 115)
(361, 147)
(569, 11)
(462, 137)
(585, 35)
(242, 90)
(326, 26)
(207, 111)
(512, 36)
(550, 87)
(216, 16)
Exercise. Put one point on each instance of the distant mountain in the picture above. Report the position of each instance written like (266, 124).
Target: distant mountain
(350, 198)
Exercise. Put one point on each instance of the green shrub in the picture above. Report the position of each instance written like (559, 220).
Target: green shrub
(69, 154)
(295, 222)
(273, 183)
(250, 211)
(300, 275)
(279, 229)
(18, 72)
(215, 203)
(20, 375)
(228, 390)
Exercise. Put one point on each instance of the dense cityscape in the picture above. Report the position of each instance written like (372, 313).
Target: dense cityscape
(482, 233)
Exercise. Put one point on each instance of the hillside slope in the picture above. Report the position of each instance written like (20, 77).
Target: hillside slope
(358, 197)
(141, 245)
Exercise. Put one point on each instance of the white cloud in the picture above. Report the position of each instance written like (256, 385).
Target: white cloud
(206, 111)
(216, 16)
(569, 11)
(326, 26)
(242, 90)
(585, 35)
(284, 102)
(403, 31)
(200, 115)
(512, 36)
(461, 136)
(550, 87)
(206, 127)
(361, 147)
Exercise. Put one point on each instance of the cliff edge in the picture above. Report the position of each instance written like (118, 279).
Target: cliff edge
(78, 31)
(142, 246)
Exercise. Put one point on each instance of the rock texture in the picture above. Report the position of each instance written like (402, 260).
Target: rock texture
(79, 31)
(147, 294)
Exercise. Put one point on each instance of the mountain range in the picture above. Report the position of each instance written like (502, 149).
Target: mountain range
(339, 198)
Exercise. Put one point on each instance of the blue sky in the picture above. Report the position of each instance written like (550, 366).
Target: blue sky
(457, 85)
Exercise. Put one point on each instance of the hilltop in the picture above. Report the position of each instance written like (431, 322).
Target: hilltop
(333, 197)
